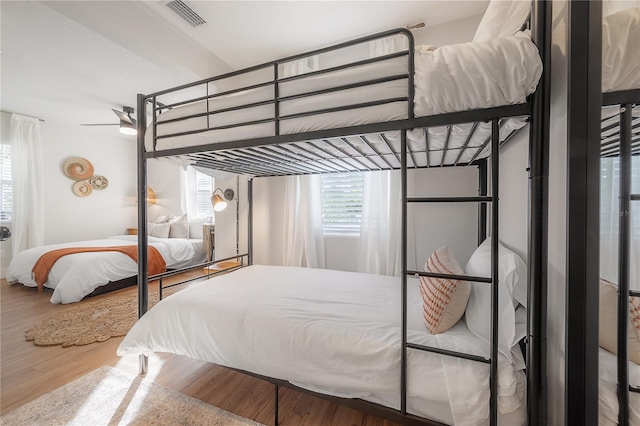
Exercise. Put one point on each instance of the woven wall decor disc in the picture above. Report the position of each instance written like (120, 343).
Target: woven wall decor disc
(78, 168)
(82, 189)
(99, 182)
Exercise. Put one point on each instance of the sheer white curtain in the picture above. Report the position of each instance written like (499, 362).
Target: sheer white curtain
(303, 237)
(380, 239)
(28, 187)
(189, 191)
(609, 221)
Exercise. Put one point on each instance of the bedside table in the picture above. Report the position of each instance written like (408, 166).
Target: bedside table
(132, 231)
(208, 239)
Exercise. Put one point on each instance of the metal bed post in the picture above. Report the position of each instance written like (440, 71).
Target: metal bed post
(584, 105)
(482, 207)
(495, 184)
(536, 348)
(623, 263)
(143, 239)
(403, 366)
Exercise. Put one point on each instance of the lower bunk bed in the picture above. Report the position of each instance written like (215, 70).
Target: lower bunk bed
(342, 338)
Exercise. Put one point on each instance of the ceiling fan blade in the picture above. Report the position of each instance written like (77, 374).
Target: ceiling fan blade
(123, 116)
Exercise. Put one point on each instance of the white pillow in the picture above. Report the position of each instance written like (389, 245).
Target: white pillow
(503, 18)
(162, 218)
(512, 289)
(179, 227)
(195, 227)
(159, 230)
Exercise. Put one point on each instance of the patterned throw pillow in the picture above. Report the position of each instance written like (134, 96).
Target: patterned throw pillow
(443, 300)
(609, 321)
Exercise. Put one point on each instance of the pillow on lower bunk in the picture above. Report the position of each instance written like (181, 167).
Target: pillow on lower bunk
(159, 230)
(512, 290)
(443, 300)
(195, 227)
(609, 321)
(179, 227)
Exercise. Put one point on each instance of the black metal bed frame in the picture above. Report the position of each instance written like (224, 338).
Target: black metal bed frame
(329, 150)
(623, 143)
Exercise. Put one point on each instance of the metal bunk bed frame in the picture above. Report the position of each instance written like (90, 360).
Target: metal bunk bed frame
(275, 157)
(625, 144)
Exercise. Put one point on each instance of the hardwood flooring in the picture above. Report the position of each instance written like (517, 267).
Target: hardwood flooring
(28, 371)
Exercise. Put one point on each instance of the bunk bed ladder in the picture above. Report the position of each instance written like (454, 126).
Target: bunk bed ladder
(483, 200)
(624, 255)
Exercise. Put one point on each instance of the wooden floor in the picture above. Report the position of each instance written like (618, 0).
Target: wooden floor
(28, 371)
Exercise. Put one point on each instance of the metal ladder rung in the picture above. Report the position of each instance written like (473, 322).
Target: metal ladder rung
(634, 389)
(634, 293)
(449, 353)
(450, 200)
(635, 197)
(451, 276)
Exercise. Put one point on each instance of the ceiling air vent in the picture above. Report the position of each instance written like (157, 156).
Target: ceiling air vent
(185, 12)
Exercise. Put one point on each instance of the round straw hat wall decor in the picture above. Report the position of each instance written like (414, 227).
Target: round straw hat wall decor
(78, 168)
(99, 182)
(82, 189)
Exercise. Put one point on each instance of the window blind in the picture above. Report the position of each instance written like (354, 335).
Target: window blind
(6, 187)
(204, 188)
(342, 203)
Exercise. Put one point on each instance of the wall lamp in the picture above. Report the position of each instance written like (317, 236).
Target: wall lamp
(219, 202)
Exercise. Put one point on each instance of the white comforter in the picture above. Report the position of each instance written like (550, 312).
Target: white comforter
(608, 412)
(74, 276)
(329, 331)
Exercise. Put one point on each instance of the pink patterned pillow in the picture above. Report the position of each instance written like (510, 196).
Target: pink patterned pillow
(443, 300)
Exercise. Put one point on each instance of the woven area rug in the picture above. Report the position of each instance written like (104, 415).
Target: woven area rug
(107, 396)
(89, 321)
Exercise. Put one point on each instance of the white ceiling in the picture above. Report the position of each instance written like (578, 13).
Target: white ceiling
(72, 61)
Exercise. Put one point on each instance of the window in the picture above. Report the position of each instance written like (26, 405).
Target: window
(342, 203)
(204, 188)
(6, 191)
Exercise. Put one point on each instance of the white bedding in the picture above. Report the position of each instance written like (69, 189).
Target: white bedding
(329, 331)
(460, 77)
(481, 74)
(608, 412)
(74, 276)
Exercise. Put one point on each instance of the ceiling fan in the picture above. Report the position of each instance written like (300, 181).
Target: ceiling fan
(127, 123)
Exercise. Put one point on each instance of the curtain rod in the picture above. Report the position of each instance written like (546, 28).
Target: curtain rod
(9, 112)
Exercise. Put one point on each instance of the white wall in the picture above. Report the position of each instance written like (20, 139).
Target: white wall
(514, 193)
(226, 228)
(557, 216)
(102, 213)
(460, 31)
(164, 178)
(431, 226)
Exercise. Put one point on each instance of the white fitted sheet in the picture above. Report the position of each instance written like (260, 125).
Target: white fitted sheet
(607, 395)
(329, 331)
(460, 77)
(74, 276)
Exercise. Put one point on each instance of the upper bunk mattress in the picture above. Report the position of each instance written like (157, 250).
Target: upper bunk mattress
(489, 73)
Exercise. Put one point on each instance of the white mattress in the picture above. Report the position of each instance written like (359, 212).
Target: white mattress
(460, 77)
(74, 276)
(329, 331)
(608, 412)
